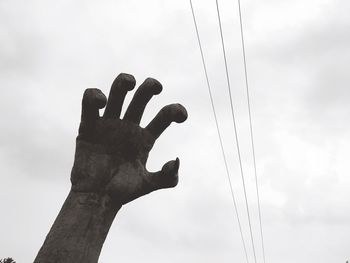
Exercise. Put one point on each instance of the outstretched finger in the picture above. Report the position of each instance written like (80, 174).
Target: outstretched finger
(142, 96)
(121, 85)
(168, 114)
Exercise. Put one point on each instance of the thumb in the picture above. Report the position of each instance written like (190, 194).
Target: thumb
(167, 177)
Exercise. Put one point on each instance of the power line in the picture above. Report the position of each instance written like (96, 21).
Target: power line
(218, 131)
(250, 124)
(235, 129)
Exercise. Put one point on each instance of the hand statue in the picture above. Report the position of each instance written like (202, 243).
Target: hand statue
(109, 168)
(111, 153)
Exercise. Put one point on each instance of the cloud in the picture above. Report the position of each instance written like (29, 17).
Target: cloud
(297, 61)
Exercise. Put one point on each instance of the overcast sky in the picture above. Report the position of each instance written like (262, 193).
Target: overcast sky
(298, 56)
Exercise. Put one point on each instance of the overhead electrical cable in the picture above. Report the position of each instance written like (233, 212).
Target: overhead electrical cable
(251, 125)
(218, 131)
(235, 129)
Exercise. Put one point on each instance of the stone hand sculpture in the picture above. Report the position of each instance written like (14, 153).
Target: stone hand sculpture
(109, 169)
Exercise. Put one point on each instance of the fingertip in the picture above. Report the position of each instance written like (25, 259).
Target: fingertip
(177, 163)
(100, 100)
(127, 81)
(180, 113)
(154, 84)
(171, 167)
(94, 97)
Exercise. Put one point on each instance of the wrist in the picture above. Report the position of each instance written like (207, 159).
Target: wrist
(80, 228)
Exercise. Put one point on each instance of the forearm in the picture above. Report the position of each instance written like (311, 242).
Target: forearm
(79, 230)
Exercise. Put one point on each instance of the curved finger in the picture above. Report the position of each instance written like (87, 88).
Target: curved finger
(168, 114)
(165, 178)
(142, 96)
(93, 100)
(121, 85)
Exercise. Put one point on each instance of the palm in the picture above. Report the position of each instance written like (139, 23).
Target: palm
(111, 153)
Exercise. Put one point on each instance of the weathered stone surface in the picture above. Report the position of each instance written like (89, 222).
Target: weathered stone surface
(109, 169)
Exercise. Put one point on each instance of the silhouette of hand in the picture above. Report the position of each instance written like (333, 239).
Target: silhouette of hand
(111, 153)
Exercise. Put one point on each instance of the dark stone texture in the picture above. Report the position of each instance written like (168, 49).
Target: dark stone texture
(109, 169)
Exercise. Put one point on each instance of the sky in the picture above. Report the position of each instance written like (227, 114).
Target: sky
(297, 55)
